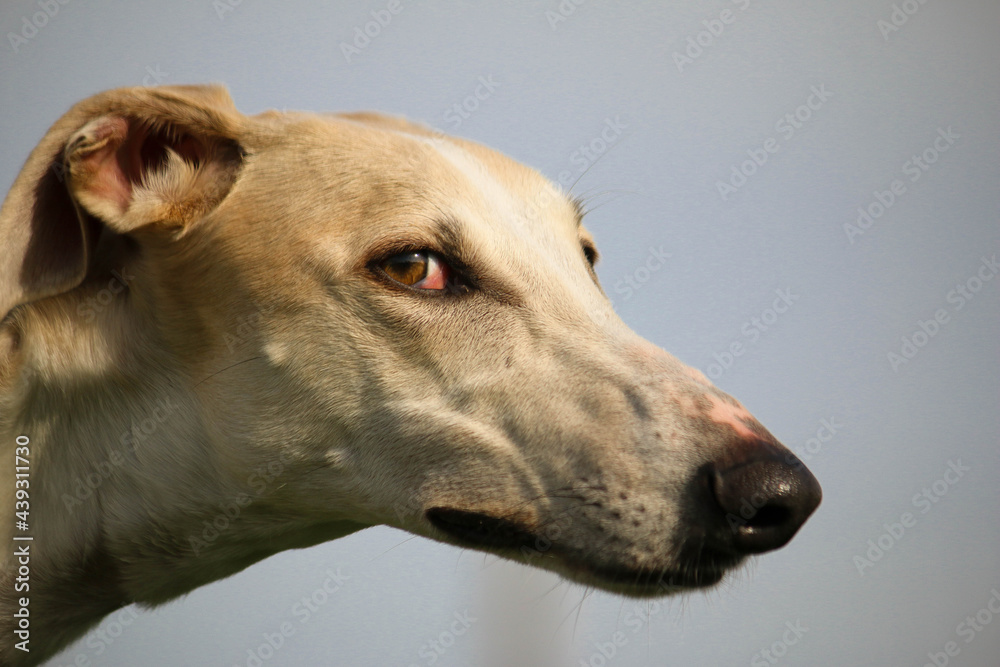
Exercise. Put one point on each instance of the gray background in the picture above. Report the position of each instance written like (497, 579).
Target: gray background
(686, 127)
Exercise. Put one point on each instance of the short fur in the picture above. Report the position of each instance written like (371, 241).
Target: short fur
(196, 333)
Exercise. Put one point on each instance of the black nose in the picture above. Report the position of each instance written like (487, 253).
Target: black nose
(764, 499)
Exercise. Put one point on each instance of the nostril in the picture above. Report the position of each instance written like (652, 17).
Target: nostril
(771, 516)
(764, 501)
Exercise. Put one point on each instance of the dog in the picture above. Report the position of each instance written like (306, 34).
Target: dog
(224, 336)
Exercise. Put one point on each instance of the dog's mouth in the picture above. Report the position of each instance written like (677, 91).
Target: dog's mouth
(694, 566)
(481, 530)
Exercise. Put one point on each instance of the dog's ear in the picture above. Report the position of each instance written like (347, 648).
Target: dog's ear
(155, 159)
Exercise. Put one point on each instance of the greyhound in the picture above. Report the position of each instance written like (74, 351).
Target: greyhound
(224, 336)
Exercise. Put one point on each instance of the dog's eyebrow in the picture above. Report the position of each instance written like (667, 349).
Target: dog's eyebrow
(447, 230)
(442, 234)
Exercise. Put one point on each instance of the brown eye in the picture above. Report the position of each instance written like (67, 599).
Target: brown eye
(419, 269)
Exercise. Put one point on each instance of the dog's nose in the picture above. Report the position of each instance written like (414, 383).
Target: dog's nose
(765, 499)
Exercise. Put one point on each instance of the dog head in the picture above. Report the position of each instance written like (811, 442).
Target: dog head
(363, 322)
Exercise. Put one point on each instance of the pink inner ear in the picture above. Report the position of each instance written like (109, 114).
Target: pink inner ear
(104, 174)
(128, 149)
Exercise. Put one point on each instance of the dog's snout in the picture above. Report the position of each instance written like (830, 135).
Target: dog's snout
(764, 499)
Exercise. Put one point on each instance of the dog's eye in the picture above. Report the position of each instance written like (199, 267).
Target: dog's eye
(590, 252)
(420, 269)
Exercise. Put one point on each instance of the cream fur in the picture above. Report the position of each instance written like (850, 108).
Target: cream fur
(204, 336)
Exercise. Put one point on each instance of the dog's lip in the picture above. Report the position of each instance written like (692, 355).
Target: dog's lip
(481, 530)
(697, 567)
(644, 582)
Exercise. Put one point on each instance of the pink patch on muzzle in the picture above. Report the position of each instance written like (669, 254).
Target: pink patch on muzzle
(735, 416)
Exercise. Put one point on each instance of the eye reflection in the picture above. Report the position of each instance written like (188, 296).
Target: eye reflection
(420, 269)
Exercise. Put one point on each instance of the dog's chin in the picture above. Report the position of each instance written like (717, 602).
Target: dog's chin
(696, 565)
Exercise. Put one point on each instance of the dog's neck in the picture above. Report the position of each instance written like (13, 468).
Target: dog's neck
(130, 499)
(66, 595)
(64, 552)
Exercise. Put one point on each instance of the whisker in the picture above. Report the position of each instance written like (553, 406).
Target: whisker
(618, 620)
(374, 558)
(591, 165)
(552, 589)
(227, 368)
(591, 209)
(579, 608)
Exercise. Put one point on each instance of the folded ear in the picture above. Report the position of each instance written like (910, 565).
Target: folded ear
(156, 158)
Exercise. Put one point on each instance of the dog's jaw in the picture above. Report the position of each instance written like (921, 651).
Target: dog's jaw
(694, 565)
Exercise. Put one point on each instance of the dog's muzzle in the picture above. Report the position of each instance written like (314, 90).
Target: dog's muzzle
(745, 505)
